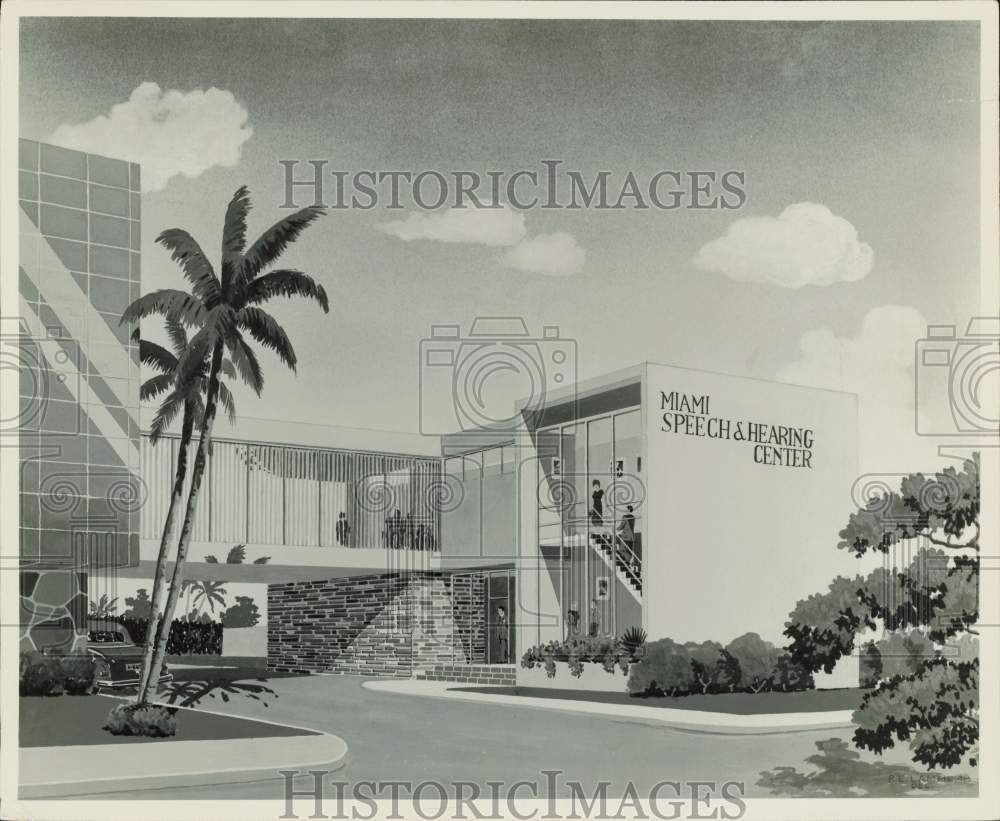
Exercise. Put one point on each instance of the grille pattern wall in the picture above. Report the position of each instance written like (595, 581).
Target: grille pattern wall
(282, 495)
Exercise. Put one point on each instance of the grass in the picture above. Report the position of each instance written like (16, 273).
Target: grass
(78, 720)
(801, 701)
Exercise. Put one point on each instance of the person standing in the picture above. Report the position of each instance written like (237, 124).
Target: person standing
(595, 618)
(343, 530)
(500, 633)
(597, 504)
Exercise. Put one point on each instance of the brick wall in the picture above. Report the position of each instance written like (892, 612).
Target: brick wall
(381, 625)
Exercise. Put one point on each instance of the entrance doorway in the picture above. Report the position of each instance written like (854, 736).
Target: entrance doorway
(500, 617)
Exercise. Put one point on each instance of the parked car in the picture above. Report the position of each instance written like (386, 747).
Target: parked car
(119, 659)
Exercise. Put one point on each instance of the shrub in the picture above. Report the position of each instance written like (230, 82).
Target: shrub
(186, 637)
(575, 651)
(664, 669)
(633, 641)
(153, 720)
(789, 674)
(44, 675)
(79, 674)
(757, 660)
(244, 613)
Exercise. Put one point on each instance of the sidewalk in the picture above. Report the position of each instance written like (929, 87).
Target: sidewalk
(688, 720)
(98, 769)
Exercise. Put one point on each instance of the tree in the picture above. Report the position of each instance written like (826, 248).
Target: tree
(923, 697)
(665, 668)
(208, 593)
(223, 307)
(184, 398)
(757, 659)
(706, 663)
(237, 555)
(790, 674)
(104, 607)
(244, 613)
(138, 605)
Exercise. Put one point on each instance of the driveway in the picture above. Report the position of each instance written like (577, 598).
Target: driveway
(406, 738)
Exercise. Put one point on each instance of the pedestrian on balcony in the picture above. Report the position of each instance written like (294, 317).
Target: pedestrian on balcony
(597, 504)
(343, 530)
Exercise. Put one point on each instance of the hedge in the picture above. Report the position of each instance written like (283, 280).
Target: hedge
(42, 675)
(186, 637)
(747, 664)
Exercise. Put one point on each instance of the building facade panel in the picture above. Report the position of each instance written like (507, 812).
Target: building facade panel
(79, 432)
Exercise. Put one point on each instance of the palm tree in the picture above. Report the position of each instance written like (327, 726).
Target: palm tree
(210, 593)
(104, 608)
(237, 555)
(223, 306)
(186, 398)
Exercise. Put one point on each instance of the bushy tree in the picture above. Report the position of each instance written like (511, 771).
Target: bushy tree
(707, 664)
(664, 669)
(925, 695)
(138, 605)
(244, 613)
(757, 660)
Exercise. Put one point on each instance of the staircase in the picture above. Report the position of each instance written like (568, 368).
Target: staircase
(619, 556)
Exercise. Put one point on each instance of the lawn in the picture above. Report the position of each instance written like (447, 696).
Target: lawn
(743, 704)
(71, 720)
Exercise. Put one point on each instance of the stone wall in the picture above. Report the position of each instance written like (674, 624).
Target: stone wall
(53, 611)
(380, 625)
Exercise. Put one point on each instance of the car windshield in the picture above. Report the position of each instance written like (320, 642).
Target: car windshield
(106, 637)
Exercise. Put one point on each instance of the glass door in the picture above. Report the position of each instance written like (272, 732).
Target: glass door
(499, 618)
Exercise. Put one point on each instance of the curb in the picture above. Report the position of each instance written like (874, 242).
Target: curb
(150, 766)
(694, 721)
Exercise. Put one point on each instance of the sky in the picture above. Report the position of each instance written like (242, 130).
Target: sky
(859, 143)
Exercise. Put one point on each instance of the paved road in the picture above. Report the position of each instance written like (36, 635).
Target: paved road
(394, 737)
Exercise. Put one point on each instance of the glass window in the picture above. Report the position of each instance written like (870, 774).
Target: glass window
(491, 461)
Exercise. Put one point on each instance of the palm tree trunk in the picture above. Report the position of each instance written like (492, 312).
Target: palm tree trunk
(159, 577)
(200, 461)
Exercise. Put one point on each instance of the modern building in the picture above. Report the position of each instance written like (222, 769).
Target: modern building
(693, 505)
(79, 396)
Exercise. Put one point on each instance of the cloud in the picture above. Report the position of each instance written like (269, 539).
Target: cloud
(877, 365)
(480, 226)
(553, 254)
(806, 245)
(168, 133)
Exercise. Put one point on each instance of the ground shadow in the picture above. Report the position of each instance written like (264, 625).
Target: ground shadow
(842, 773)
(195, 692)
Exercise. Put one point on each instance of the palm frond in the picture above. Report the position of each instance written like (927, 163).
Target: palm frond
(285, 282)
(177, 334)
(166, 414)
(265, 329)
(156, 356)
(272, 243)
(234, 234)
(155, 385)
(237, 553)
(227, 402)
(169, 302)
(245, 361)
(227, 369)
(191, 364)
(186, 252)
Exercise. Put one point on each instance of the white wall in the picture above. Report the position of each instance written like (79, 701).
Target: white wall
(732, 544)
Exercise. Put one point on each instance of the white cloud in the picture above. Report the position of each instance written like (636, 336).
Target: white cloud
(806, 245)
(480, 226)
(553, 254)
(168, 133)
(877, 365)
